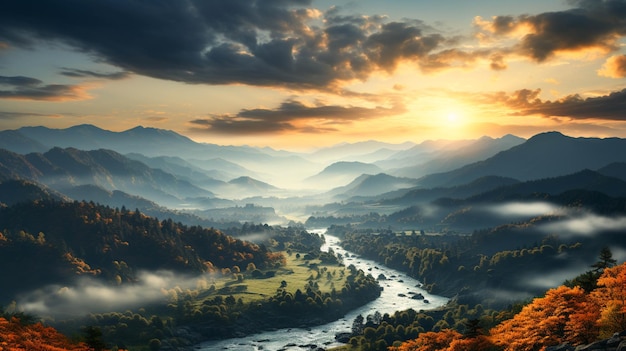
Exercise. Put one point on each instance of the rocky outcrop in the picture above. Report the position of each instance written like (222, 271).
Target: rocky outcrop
(615, 343)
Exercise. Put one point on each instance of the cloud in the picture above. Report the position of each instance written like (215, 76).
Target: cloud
(89, 295)
(585, 225)
(591, 25)
(79, 73)
(289, 43)
(8, 115)
(292, 115)
(265, 43)
(527, 209)
(527, 102)
(27, 88)
(614, 67)
(552, 279)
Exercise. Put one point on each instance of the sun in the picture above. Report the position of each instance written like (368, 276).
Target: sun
(453, 117)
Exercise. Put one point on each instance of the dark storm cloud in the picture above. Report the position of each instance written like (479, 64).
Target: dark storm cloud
(290, 116)
(26, 88)
(283, 42)
(397, 41)
(269, 42)
(526, 102)
(592, 24)
(79, 73)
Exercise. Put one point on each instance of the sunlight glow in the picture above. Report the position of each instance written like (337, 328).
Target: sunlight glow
(453, 117)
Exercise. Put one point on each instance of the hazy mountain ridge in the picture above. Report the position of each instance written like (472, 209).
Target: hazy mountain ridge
(67, 168)
(476, 204)
(178, 167)
(360, 151)
(544, 155)
(147, 141)
(587, 180)
(342, 172)
(478, 186)
(16, 191)
(449, 158)
(371, 185)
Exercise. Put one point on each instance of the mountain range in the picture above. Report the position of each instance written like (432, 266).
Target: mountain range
(162, 168)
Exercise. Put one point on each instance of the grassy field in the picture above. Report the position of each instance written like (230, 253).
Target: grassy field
(296, 273)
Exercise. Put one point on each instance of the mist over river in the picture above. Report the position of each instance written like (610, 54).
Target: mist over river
(397, 293)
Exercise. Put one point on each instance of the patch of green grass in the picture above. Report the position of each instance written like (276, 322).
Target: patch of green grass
(296, 273)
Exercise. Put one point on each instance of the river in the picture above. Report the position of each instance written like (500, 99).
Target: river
(397, 294)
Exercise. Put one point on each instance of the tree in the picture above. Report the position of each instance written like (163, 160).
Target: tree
(544, 322)
(93, 338)
(605, 260)
(473, 329)
(357, 325)
(611, 295)
(589, 279)
(430, 341)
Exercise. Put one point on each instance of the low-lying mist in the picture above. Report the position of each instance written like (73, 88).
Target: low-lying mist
(585, 224)
(568, 222)
(88, 295)
(551, 279)
(525, 209)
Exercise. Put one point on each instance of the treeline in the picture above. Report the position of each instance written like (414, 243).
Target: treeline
(378, 332)
(455, 265)
(48, 242)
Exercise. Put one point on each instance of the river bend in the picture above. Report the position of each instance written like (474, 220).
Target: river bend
(397, 295)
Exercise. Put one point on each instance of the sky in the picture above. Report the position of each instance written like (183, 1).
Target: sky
(302, 74)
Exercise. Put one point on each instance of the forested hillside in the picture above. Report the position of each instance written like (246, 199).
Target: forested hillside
(565, 315)
(580, 312)
(51, 242)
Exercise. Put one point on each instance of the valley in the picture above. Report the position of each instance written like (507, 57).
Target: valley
(177, 243)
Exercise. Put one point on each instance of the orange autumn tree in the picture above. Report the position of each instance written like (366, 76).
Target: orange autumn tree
(611, 296)
(446, 340)
(35, 337)
(430, 341)
(547, 321)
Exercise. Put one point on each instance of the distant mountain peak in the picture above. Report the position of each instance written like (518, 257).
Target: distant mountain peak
(548, 135)
(251, 182)
(85, 126)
